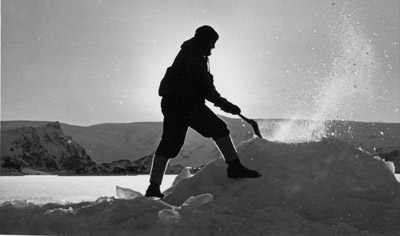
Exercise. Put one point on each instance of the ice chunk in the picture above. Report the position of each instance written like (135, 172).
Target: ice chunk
(60, 211)
(173, 216)
(185, 174)
(199, 200)
(169, 216)
(390, 165)
(126, 193)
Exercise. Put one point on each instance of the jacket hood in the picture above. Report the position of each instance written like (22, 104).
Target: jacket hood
(195, 46)
(189, 43)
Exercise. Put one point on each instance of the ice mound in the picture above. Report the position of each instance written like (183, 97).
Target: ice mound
(293, 172)
(321, 188)
(328, 182)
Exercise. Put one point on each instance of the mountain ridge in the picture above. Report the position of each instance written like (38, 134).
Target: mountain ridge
(44, 147)
(110, 142)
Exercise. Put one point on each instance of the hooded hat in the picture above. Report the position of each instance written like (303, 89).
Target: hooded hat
(205, 33)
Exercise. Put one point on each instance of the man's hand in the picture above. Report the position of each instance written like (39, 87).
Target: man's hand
(228, 107)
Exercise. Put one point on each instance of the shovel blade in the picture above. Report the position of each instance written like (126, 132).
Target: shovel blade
(253, 124)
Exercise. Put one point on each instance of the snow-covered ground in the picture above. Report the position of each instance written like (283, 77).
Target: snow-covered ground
(325, 187)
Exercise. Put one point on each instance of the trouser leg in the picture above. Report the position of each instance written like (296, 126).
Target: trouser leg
(173, 137)
(174, 132)
(227, 149)
(206, 123)
(158, 167)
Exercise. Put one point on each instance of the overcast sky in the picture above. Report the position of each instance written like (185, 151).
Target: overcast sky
(98, 61)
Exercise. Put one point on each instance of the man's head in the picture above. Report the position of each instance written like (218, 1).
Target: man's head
(207, 37)
(205, 33)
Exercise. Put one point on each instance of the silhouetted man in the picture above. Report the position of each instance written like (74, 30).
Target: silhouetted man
(185, 87)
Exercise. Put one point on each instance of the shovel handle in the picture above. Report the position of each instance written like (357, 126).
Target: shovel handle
(253, 124)
(243, 117)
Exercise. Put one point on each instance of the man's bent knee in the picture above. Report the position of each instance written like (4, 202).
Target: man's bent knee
(169, 148)
(223, 132)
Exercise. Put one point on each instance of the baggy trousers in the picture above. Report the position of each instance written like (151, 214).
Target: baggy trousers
(179, 115)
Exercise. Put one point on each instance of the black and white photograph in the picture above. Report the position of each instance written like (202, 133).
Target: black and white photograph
(200, 117)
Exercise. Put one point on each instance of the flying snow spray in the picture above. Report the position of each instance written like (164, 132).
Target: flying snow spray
(352, 68)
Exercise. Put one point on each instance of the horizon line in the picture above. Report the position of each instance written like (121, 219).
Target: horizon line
(238, 118)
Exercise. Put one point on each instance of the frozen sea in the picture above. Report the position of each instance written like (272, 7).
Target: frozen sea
(41, 189)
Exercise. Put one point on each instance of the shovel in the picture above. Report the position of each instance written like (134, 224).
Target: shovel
(253, 124)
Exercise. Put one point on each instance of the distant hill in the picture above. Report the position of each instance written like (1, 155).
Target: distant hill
(106, 143)
(44, 147)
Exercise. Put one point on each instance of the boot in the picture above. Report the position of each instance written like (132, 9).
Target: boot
(236, 171)
(158, 167)
(154, 191)
(235, 168)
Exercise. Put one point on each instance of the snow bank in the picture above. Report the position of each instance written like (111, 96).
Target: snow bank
(321, 188)
(292, 172)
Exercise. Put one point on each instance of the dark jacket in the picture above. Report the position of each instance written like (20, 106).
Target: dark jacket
(189, 77)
